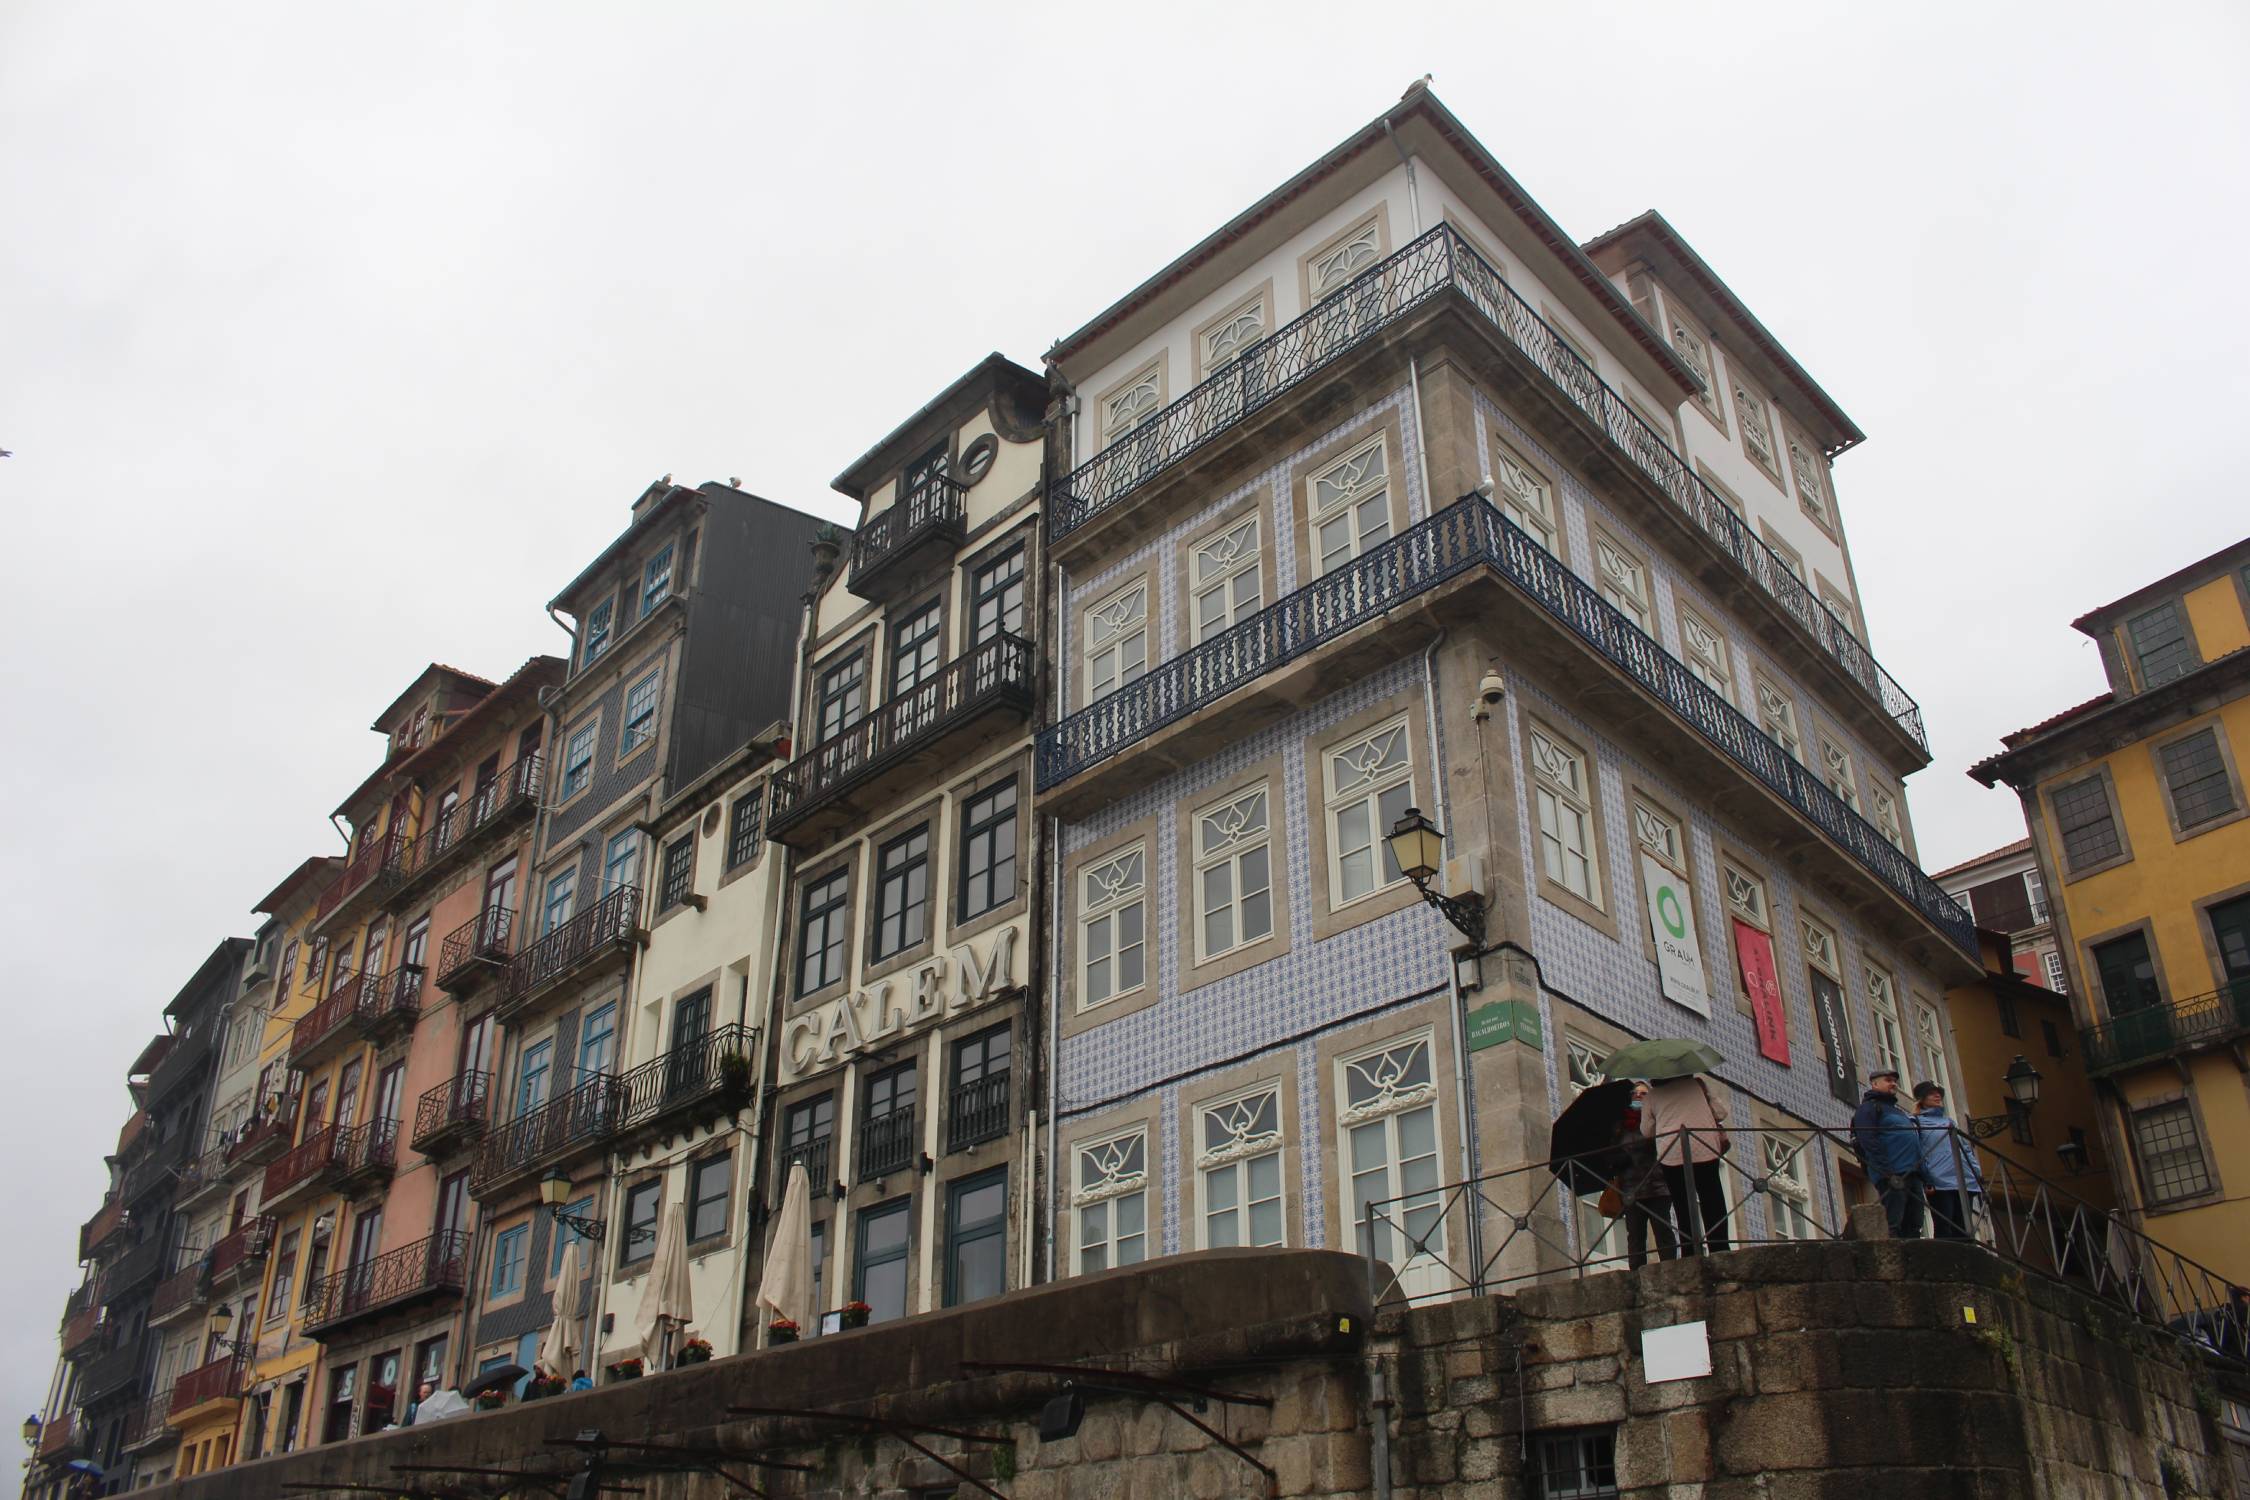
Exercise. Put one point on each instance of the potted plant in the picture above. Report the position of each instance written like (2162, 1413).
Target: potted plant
(734, 1075)
(827, 547)
(856, 1314)
(782, 1331)
(492, 1400)
(695, 1351)
(543, 1382)
(625, 1369)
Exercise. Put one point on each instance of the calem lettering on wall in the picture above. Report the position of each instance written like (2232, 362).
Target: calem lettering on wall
(932, 990)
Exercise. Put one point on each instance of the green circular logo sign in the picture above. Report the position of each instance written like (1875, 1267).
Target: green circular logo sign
(1668, 911)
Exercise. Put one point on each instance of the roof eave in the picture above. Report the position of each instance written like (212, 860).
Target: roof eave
(985, 378)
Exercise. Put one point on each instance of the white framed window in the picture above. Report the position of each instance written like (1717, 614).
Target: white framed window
(1820, 948)
(1112, 926)
(2057, 980)
(1746, 895)
(1777, 716)
(1351, 504)
(1890, 1036)
(1563, 805)
(1524, 498)
(1929, 1035)
(656, 580)
(639, 726)
(1117, 641)
(1621, 578)
(1140, 399)
(1836, 769)
(1388, 1117)
(1224, 578)
(1658, 833)
(1812, 487)
(1885, 808)
(1697, 354)
(1707, 654)
(1238, 1159)
(1110, 1197)
(1788, 1198)
(1333, 269)
(1233, 873)
(578, 759)
(1370, 785)
(1757, 432)
(1224, 341)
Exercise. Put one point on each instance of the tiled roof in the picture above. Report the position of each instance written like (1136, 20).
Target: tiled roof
(2020, 846)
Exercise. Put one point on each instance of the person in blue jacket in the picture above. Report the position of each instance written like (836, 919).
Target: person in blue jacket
(1890, 1150)
(1949, 1165)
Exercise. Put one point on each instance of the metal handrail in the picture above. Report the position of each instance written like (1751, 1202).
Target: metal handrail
(315, 1153)
(608, 922)
(887, 1143)
(395, 996)
(220, 1378)
(281, 1123)
(2153, 1031)
(977, 1112)
(490, 935)
(586, 1114)
(1440, 261)
(514, 786)
(459, 1101)
(439, 1263)
(684, 1076)
(1467, 534)
(248, 1242)
(993, 670)
(325, 1019)
(815, 1154)
(938, 504)
(379, 857)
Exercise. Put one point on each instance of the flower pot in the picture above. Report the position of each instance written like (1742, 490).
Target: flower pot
(781, 1335)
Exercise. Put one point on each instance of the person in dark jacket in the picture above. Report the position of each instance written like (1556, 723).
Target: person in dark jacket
(1647, 1197)
(1890, 1149)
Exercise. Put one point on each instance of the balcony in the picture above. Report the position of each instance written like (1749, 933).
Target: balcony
(940, 723)
(390, 1005)
(470, 825)
(1181, 448)
(817, 1156)
(687, 1080)
(328, 1029)
(262, 1140)
(366, 1155)
(1441, 571)
(374, 868)
(135, 1271)
(82, 1333)
(977, 1112)
(183, 1292)
(926, 524)
(560, 1128)
(477, 949)
(188, 1061)
(452, 1114)
(145, 1426)
(313, 1163)
(888, 1143)
(116, 1369)
(237, 1259)
(2157, 1032)
(57, 1440)
(102, 1228)
(156, 1168)
(408, 1276)
(195, 1395)
(575, 949)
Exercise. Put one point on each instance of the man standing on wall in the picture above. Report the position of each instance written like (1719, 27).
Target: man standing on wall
(1890, 1150)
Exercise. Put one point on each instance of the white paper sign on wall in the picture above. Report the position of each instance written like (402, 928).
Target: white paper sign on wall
(1680, 1352)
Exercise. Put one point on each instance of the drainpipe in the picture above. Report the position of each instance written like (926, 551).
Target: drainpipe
(1379, 1428)
(1413, 362)
(1468, 1111)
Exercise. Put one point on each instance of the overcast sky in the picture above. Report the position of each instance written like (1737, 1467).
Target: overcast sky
(333, 340)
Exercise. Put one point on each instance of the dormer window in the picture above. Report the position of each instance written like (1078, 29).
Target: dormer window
(597, 633)
(656, 581)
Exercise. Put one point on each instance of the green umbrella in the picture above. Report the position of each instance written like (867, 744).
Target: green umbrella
(1662, 1057)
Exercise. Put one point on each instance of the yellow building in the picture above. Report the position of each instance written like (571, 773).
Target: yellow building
(2137, 812)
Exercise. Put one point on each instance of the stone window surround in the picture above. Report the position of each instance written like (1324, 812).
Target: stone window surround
(1144, 1114)
(1142, 575)
(1828, 521)
(2173, 1093)
(1328, 919)
(1313, 463)
(2203, 905)
(1638, 561)
(2047, 789)
(591, 719)
(2097, 998)
(658, 665)
(2156, 746)
(863, 646)
(1600, 912)
(1159, 364)
(1259, 296)
(1559, 542)
(1276, 1068)
(1379, 213)
(1837, 933)
(1076, 1018)
(1259, 503)
(1194, 972)
(1760, 678)
(1331, 1051)
(1712, 406)
(1756, 391)
(846, 858)
(1017, 764)
(755, 786)
(1729, 912)
(1639, 789)
(930, 811)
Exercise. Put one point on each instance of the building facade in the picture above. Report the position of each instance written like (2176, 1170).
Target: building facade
(2136, 810)
(1387, 496)
(2006, 893)
(902, 1039)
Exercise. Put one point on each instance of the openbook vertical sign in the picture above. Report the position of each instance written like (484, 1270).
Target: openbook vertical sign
(1671, 925)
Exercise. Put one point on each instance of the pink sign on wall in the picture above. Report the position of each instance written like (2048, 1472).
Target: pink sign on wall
(1755, 952)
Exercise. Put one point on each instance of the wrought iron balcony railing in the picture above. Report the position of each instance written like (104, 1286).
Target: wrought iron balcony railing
(260, 1139)
(570, 1122)
(240, 1250)
(1437, 263)
(82, 1333)
(514, 789)
(1471, 533)
(888, 1143)
(311, 1160)
(114, 1370)
(996, 671)
(99, 1230)
(481, 945)
(187, 1062)
(156, 1167)
(322, 1029)
(977, 1112)
(216, 1381)
(391, 1003)
(203, 1179)
(932, 514)
(452, 1112)
(135, 1271)
(686, 1076)
(146, 1424)
(2158, 1031)
(366, 1154)
(377, 858)
(605, 927)
(816, 1155)
(181, 1292)
(437, 1266)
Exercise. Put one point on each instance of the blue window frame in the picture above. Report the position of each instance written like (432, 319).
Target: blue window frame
(509, 1249)
(531, 1077)
(640, 713)
(597, 633)
(656, 580)
(621, 861)
(562, 895)
(598, 1049)
(578, 761)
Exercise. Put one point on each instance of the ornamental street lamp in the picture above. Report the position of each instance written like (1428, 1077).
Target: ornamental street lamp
(218, 1324)
(31, 1426)
(1418, 848)
(554, 1191)
(2022, 1082)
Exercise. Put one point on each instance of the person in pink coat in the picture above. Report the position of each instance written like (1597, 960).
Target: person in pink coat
(1689, 1126)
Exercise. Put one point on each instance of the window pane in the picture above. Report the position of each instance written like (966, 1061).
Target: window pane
(2197, 776)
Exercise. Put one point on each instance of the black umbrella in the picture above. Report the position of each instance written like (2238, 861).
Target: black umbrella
(1582, 1148)
(498, 1378)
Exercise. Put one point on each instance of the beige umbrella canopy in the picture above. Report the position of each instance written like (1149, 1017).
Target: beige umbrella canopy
(667, 1300)
(558, 1349)
(787, 1288)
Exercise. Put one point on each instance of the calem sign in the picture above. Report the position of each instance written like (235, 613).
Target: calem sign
(933, 989)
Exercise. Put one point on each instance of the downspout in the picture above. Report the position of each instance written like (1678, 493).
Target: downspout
(1453, 979)
(1413, 362)
(1072, 409)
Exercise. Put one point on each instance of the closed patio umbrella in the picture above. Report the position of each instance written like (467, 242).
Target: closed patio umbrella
(786, 1291)
(667, 1301)
(558, 1349)
(1662, 1057)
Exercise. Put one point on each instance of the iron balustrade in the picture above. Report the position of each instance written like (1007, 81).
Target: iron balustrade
(146, 1423)
(310, 1157)
(608, 923)
(327, 1019)
(134, 1269)
(997, 670)
(437, 1265)
(977, 1112)
(187, 1061)
(158, 1165)
(367, 1149)
(487, 937)
(377, 857)
(582, 1117)
(81, 1331)
(935, 508)
(182, 1289)
(888, 1143)
(1438, 262)
(246, 1245)
(2153, 1031)
(685, 1076)
(107, 1220)
(136, 1124)
(513, 788)
(256, 1140)
(110, 1372)
(215, 1381)
(395, 997)
(451, 1109)
(1468, 534)
(815, 1154)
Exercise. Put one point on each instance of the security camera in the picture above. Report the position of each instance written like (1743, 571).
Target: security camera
(1484, 487)
(1491, 689)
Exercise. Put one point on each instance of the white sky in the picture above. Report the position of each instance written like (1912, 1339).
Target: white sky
(333, 339)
